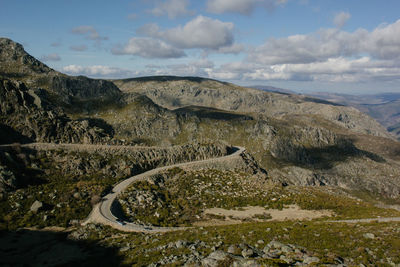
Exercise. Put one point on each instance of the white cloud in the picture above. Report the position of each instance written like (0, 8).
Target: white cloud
(244, 7)
(341, 19)
(382, 43)
(89, 32)
(79, 48)
(201, 32)
(51, 57)
(172, 8)
(148, 48)
(201, 67)
(339, 69)
(97, 71)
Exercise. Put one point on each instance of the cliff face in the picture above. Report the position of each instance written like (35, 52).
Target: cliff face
(23, 112)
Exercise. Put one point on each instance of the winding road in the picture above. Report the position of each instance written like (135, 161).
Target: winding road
(102, 212)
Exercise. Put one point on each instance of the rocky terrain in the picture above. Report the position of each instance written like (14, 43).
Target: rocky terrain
(24, 116)
(67, 141)
(40, 181)
(176, 92)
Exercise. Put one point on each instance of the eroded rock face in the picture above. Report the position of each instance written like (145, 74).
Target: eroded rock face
(22, 110)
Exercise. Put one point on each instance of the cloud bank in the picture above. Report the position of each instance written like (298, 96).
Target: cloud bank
(201, 32)
(97, 71)
(148, 48)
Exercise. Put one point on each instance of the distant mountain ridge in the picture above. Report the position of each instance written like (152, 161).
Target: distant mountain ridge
(384, 107)
(175, 93)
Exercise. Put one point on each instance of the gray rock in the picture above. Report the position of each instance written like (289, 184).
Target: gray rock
(233, 249)
(286, 259)
(214, 258)
(218, 255)
(207, 262)
(247, 252)
(275, 244)
(308, 260)
(369, 236)
(286, 249)
(36, 206)
(180, 244)
(123, 249)
(245, 263)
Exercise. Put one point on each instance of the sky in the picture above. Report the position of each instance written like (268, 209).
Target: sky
(341, 46)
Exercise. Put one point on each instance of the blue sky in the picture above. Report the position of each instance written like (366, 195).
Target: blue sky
(347, 46)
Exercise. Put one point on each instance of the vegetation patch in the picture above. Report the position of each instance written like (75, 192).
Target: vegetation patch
(179, 198)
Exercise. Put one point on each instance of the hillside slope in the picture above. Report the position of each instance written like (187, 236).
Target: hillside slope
(175, 92)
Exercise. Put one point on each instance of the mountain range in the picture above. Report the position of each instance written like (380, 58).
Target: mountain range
(153, 171)
(298, 139)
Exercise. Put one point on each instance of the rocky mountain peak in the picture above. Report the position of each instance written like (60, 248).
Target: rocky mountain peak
(16, 62)
(18, 65)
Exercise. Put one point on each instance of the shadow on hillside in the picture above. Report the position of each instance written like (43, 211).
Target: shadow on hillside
(45, 248)
(170, 78)
(212, 113)
(8, 136)
(324, 158)
(321, 101)
(18, 160)
(100, 123)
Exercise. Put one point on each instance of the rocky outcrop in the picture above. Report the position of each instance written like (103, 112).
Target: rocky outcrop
(22, 110)
(16, 64)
